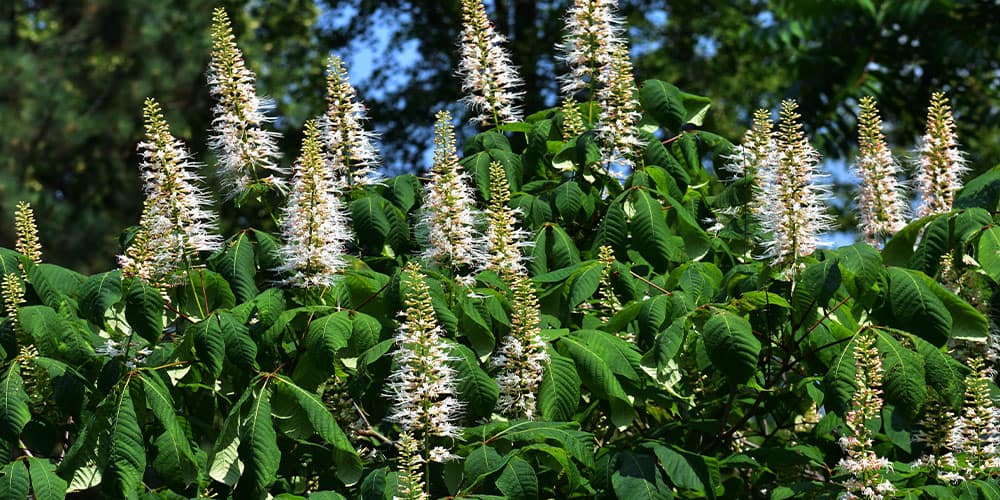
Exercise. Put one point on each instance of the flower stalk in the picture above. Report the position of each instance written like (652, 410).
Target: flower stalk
(248, 154)
(489, 78)
(882, 204)
(350, 149)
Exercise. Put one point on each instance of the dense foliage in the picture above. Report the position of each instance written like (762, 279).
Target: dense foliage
(602, 299)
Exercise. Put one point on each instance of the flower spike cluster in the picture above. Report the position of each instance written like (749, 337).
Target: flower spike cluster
(422, 387)
(593, 32)
(176, 222)
(882, 204)
(617, 127)
(941, 164)
(27, 243)
(246, 151)
(489, 79)
(504, 238)
(976, 433)
(792, 207)
(865, 466)
(350, 149)
(521, 357)
(448, 222)
(315, 224)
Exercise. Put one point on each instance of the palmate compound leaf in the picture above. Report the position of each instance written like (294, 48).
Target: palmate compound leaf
(559, 392)
(344, 456)
(124, 452)
(650, 232)
(476, 389)
(731, 345)
(45, 484)
(175, 460)
(598, 377)
(144, 309)
(518, 481)
(14, 410)
(14, 482)
(258, 446)
(916, 309)
(224, 463)
(903, 380)
(638, 477)
(237, 264)
(988, 252)
(98, 293)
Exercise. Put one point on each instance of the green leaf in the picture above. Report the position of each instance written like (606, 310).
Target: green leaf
(903, 381)
(599, 378)
(559, 392)
(98, 293)
(988, 252)
(209, 344)
(934, 243)
(916, 309)
(664, 102)
(982, 191)
(258, 445)
(475, 387)
(637, 477)
(518, 480)
(562, 251)
(175, 460)
(241, 350)
(45, 484)
(967, 323)
(14, 410)
(144, 310)
(328, 335)
(224, 464)
(125, 452)
(899, 249)
(482, 462)
(344, 456)
(204, 292)
(14, 483)
(237, 265)
(861, 265)
(268, 251)
(585, 283)
(53, 283)
(678, 469)
(370, 223)
(731, 346)
(613, 230)
(814, 289)
(650, 232)
(569, 199)
(945, 374)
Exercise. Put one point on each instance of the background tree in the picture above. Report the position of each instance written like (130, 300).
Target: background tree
(73, 67)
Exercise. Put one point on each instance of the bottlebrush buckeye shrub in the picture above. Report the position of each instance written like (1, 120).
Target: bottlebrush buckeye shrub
(571, 305)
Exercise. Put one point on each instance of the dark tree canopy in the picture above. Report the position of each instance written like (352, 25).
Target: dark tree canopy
(76, 75)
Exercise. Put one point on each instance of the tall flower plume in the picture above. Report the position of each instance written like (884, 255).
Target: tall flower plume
(793, 209)
(617, 127)
(27, 243)
(448, 222)
(976, 432)
(247, 153)
(314, 224)
(505, 239)
(422, 387)
(593, 31)
(521, 357)
(350, 149)
(941, 164)
(754, 156)
(175, 222)
(881, 201)
(865, 466)
(489, 79)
